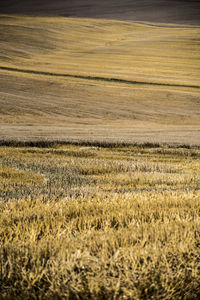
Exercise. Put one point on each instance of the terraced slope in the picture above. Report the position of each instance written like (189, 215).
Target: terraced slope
(98, 79)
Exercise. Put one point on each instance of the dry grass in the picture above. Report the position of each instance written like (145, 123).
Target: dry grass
(86, 222)
(36, 106)
(90, 222)
(119, 49)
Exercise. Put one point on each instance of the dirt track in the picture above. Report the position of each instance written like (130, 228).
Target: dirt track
(164, 11)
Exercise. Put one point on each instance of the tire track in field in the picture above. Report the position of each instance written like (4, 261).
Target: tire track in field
(99, 78)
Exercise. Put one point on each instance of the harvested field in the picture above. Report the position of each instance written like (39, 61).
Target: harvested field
(126, 82)
(100, 149)
(117, 222)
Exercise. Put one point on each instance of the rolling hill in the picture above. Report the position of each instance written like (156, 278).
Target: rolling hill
(124, 81)
(69, 71)
(99, 149)
(168, 11)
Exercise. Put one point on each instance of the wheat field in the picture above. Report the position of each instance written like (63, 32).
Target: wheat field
(99, 222)
(99, 156)
(95, 79)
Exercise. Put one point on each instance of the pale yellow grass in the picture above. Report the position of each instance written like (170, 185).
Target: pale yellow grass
(104, 223)
(102, 47)
(38, 106)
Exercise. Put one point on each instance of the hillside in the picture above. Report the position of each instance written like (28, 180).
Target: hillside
(176, 11)
(125, 81)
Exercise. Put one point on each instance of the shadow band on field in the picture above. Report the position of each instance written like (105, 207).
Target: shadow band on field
(98, 78)
(164, 11)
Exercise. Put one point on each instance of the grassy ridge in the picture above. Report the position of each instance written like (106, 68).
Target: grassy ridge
(102, 144)
(92, 222)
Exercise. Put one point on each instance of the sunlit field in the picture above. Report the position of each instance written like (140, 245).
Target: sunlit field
(166, 53)
(99, 222)
(99, 157)
(96, 79)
